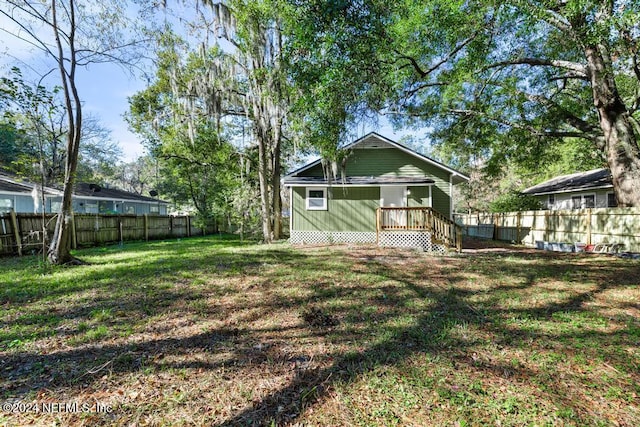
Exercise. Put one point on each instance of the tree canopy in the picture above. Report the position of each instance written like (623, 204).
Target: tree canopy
(507, 81)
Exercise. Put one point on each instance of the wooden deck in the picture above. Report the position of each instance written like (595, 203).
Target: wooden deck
(428, 220)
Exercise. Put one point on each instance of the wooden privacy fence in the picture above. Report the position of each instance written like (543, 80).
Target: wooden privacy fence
(589, 226)
(22, 233)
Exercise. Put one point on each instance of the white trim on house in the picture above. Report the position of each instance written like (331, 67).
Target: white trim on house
(451, 197)
(417, 184)
(109, 199)
(571, 190)
(290, 209)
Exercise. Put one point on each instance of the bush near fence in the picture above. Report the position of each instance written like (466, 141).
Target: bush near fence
(21, 233)
(590, 226)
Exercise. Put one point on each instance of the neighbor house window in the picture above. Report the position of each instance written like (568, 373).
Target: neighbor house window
(551, 201)
(316, 199)
(583, 202)
(154, 209)
(56, 207)
(91, 208)
(612, 202)
(128, 209)
(589, 201)
(6, 205)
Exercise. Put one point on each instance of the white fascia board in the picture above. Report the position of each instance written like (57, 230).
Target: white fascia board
(107, 199)
(417, 184)
(602, 187)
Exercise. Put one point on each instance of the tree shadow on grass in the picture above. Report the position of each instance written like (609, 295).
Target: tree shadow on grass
(360, 305)
(431, 335)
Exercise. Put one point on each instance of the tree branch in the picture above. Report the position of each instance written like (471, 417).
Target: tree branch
(578, 69)
(423, 73)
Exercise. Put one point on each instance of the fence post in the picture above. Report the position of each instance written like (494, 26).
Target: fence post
(16, 231)
(120, 233)
(519, 227)
(74, 238)
(188, 225)
(146, 227)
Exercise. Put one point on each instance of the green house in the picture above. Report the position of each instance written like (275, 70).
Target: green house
(385, 193)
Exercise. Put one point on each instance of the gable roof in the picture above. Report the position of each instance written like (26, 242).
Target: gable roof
(589, 180)
(10, 183)
(85, 189)
(375, 140)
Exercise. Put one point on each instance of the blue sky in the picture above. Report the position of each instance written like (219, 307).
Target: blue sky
(104, 90)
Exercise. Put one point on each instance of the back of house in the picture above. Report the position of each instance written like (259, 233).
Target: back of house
(377, 173)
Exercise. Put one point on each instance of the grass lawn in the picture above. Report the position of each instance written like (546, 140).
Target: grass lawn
(211, 331)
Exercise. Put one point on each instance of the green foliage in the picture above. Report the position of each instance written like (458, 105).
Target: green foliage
(497, 82)
(514, 202)
(34, 130)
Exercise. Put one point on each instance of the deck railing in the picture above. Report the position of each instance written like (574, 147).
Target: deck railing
(442, 229)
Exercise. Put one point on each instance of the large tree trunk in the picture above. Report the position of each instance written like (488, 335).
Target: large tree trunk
(60, 249)
(275, 183)
(263, 178)
(620, 144)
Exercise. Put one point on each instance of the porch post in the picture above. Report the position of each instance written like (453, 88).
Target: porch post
(378, 227)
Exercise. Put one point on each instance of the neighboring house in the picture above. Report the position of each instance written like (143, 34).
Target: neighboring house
(23, 196)
(591, 189)
(377, 173)
(91, 198)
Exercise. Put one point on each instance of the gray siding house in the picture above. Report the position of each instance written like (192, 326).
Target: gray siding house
(582, 190)
(26, 197)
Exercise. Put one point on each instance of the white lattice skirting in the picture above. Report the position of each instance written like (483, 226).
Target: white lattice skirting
(393, 239)
(410, 239)
(315, 237)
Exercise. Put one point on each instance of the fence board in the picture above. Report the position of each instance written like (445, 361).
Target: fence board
(593, 226)
(94, 229)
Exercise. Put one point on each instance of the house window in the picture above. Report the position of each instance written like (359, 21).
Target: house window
(6, 205)
(551, 201)
(91, 208)
(129, 209)
(576, 202)
(589, 201)
(154, 209)
(583, 202)
(612, 202)
(316, 199)
(56, 207)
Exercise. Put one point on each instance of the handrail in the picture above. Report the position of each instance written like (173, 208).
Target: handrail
(420, 219)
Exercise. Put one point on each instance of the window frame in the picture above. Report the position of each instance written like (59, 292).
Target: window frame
(9, 208)
(551, 201)
(308, 198)
(615, 199)
(583, 204)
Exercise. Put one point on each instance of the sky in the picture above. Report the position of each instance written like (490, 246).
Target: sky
(104, 90)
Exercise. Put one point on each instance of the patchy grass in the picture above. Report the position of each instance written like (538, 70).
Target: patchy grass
(210, 331)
